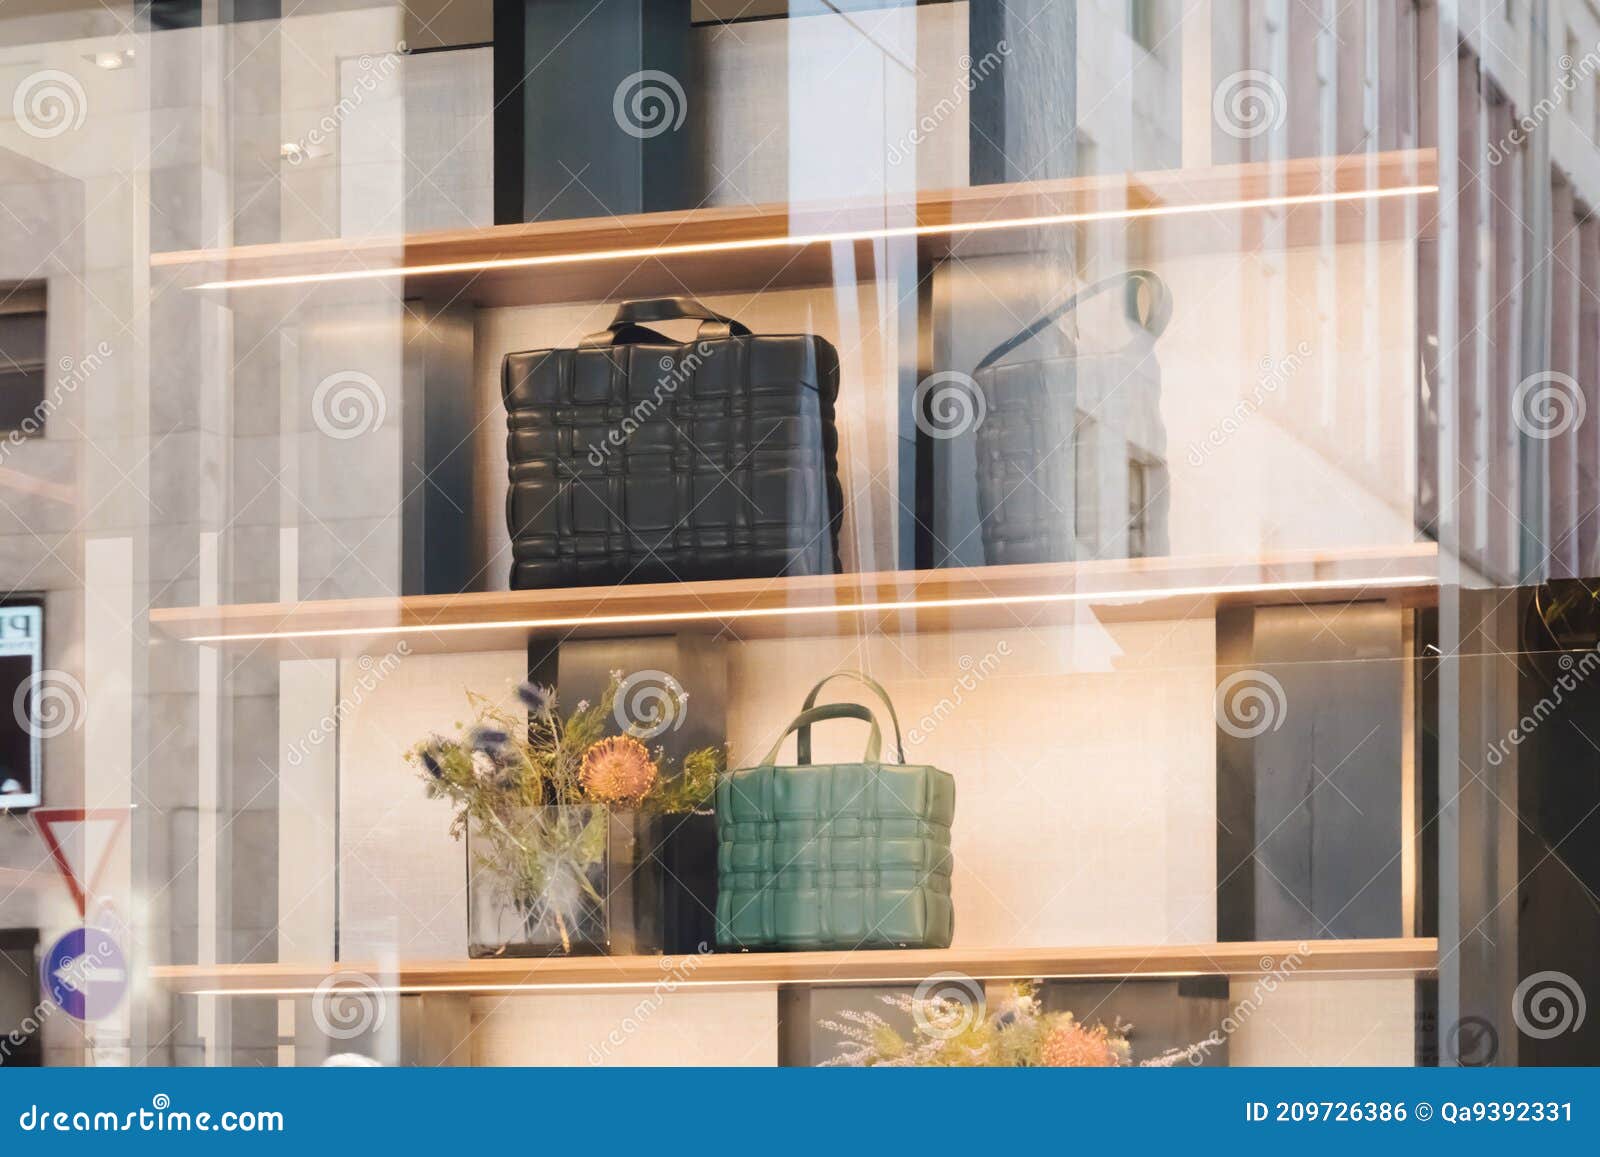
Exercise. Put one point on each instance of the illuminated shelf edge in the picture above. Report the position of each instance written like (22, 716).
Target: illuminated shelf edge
(1112, 585)
(1401, 956)
(1108, 596)
(783, 230)
(801, 240)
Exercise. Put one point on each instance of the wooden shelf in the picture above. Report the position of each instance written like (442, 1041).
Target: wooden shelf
(894, 601)
(749, 248)
(1289, 958)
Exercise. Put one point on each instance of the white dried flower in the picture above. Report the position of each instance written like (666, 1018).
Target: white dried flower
(482, 765)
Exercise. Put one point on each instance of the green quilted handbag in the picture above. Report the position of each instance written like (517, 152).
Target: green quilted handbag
(840, 855)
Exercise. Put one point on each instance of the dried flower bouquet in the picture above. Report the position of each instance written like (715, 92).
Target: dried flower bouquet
(535, 791)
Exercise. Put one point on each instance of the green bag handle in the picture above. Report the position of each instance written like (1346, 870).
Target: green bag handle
(806, 718)
(804, 745)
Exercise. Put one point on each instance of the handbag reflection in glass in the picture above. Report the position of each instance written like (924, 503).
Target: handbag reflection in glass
(1072, 452)
(835, 855)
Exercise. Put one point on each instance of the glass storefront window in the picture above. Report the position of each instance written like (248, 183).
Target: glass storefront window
(443, 447)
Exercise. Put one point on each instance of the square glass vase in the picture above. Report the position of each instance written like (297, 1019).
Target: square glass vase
(538, 881)
(587, 879)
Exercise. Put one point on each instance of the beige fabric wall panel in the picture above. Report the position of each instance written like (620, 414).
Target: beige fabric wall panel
(628, 1028)
(402, 879)
(1307, 1021)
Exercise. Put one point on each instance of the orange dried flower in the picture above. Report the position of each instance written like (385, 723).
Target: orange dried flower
(1071, 1046)
(618, 770)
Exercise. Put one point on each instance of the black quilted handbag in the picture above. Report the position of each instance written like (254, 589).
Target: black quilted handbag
(635, 458)
(1072, 451)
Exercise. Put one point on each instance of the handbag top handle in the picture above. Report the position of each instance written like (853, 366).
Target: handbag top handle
(631, 325)
(804, 743)
(829, 711)
(1152, 319)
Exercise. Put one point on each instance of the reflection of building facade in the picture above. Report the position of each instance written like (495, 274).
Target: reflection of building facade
(1507, 93)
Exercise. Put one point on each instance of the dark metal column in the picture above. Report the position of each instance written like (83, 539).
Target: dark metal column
(592, 109)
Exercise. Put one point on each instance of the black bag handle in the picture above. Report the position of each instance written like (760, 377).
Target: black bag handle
(1153, 321)
(631, 325)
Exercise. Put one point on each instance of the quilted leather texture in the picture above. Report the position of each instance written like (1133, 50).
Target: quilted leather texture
(1053, 455)
(838, 856)
(1027, 462)
(658, 461)
(1063, 436)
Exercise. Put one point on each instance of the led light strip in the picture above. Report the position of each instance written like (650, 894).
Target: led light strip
(822, 609)
(1397, 969)
(603, 985)
(802, 240)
